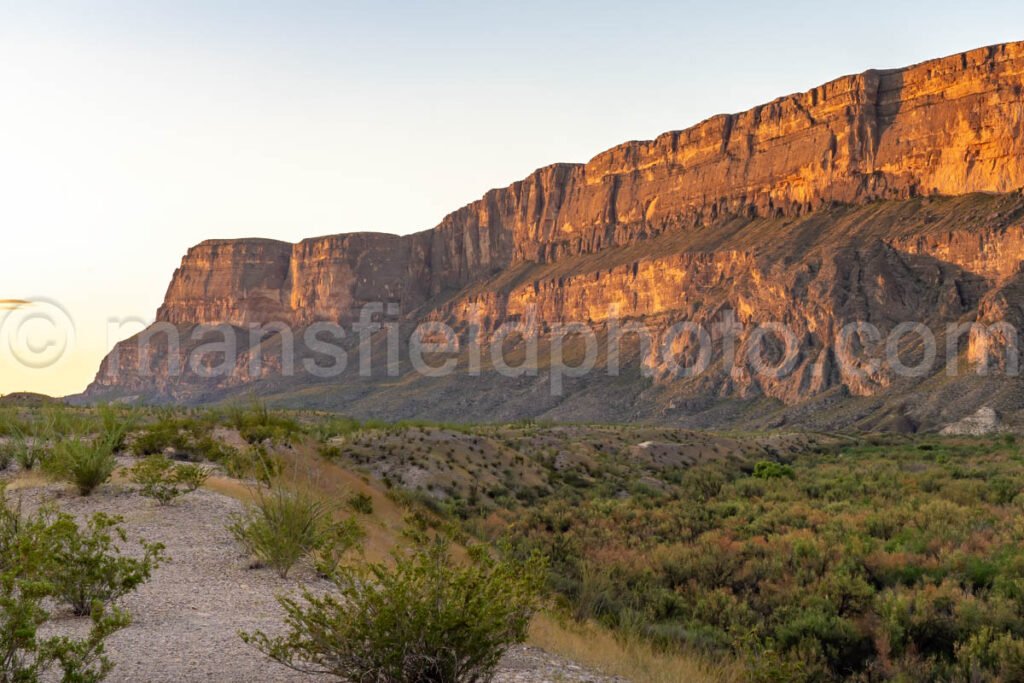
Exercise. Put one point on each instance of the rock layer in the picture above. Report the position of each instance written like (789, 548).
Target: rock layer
(881, 197)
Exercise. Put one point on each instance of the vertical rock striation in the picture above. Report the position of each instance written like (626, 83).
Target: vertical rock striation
(859, 199)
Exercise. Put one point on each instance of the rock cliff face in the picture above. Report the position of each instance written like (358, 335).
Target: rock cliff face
(883, 197)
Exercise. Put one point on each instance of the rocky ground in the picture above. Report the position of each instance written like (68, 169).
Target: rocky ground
(186, 619)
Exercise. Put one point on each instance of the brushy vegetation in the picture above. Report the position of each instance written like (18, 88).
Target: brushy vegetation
(897, 560)
(46, 557)
(361, 503)
(90, 570)
(285, 525)
(258, 424)
(163, 480)
(84, 462)
(425, 619)
(842, 558)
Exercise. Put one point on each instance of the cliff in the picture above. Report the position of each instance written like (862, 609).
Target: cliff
(884, 196)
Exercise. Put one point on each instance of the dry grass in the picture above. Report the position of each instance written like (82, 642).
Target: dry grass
(598, 649)
(31, 479)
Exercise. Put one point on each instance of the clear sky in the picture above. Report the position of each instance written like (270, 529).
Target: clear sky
(130, 131)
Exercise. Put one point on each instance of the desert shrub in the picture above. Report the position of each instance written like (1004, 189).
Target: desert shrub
(330, 451)
(55, 421)
(160, 436)
(89, 569)
(191, 476)
(254, 462)
(283, 526)
(32, 574)
(115, 424)
(361, 503)
(257, 424)
(425, 619)
(155, 475)
(164, 480)
(342, 538)
(27, 453)
(769, 469)
(85, 464)
(208, 448)
(326, 429)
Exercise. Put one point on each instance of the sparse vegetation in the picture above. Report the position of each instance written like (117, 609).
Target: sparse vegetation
(258, 424)
(34, 569)
(284, 525)
(425, 619)
(88, 570)
(27, 453)
(361, 503)
(789, 557)
(164, 480)
(190, 475)
(83, 462)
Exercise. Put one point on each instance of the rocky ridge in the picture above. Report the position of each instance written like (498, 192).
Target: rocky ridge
(888, 196)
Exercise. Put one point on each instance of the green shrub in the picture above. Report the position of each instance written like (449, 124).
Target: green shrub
(115, 425)
(34, 572)
(426, 619)
(155, 475)
(254, 462)
(361, 503)
(28, 453)
(164, 480)
(85, 464)
(330, 451)
(342, 538)
(257, 424)
(191, 476)
(283, 526)
(88, 569)
(768, 469)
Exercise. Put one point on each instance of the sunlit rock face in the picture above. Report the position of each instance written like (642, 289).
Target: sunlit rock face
(884, 197)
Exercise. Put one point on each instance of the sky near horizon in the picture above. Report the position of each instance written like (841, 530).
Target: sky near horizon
(131, 131)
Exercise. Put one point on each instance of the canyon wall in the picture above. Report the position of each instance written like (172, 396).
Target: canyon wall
(950, 126)
(815, 209)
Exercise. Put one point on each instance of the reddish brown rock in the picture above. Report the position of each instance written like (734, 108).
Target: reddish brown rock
(883, 197)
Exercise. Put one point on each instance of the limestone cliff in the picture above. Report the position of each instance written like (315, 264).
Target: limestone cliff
(886, 196)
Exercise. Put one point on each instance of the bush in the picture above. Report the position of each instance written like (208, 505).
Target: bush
(158, 437)
(767, 469)
(32, 574)
(155, 475)
(330, 451)
(191, 476)
(89, 570)
(361, 503)
(257, 424)
(164, 480)
(85, 464)
(28, 454)
(284, 526)
(342, 539)
(115, 425)
(426, 619)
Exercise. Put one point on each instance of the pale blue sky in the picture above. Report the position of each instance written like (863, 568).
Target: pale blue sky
(130, 131)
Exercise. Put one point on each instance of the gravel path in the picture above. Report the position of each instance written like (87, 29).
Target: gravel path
(187, 617)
